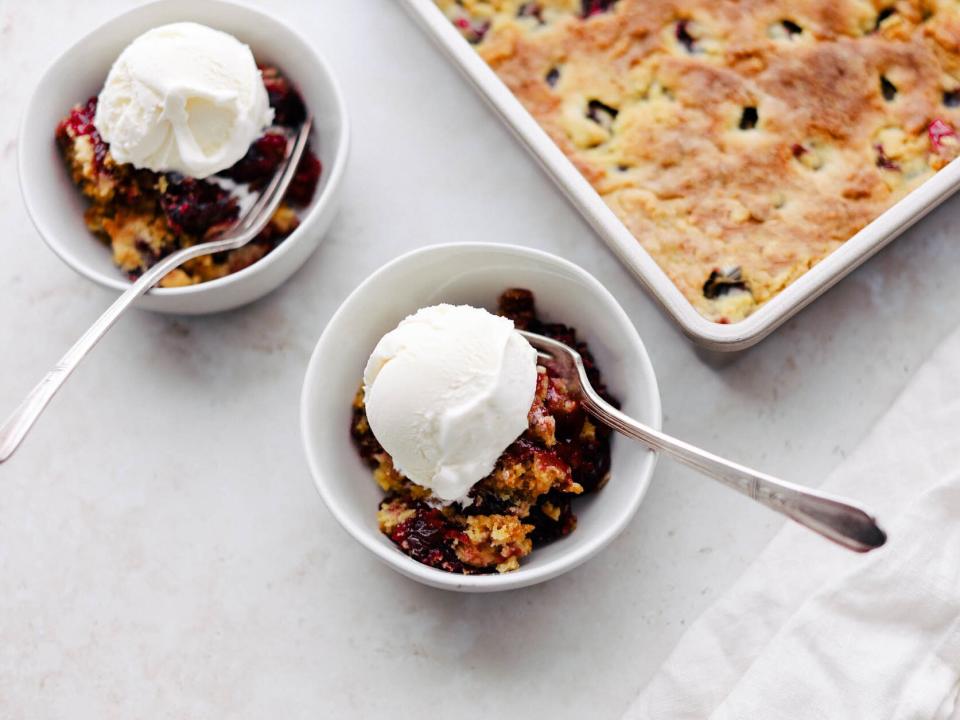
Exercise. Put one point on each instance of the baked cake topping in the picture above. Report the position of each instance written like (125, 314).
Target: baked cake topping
(758, 135)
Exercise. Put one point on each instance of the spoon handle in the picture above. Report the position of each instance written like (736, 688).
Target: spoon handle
(16, 427)
(831, 517)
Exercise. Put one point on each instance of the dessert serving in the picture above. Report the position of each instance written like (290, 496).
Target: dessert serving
(185, 131)
(740, 143)
(479, 446)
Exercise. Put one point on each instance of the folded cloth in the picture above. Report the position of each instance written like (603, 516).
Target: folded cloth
(813, 631)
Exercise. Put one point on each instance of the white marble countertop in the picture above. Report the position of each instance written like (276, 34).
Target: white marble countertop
(163, 552)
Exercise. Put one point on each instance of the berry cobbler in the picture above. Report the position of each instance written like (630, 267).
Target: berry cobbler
(498, 441)
(740, 142)
(186, 129)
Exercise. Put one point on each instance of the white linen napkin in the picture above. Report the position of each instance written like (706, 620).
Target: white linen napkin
(813, 631)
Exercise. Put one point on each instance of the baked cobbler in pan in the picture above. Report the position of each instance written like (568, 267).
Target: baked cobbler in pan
(740, 142)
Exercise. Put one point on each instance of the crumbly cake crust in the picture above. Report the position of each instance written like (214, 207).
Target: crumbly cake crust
(526, 501)
(739, 141)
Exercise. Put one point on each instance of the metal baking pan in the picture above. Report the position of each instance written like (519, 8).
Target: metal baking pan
(715, 336)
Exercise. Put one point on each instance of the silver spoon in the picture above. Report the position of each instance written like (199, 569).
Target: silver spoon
(19, 423)
(834, 518)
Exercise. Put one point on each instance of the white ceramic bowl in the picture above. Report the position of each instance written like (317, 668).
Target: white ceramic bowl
(475, 274)
(56, 207)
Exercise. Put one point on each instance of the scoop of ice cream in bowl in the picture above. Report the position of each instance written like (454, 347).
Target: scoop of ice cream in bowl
(440, 441)
(183, 98)
(179, 113)
(446, 392)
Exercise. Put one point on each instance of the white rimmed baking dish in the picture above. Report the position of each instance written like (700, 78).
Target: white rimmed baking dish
(715, 336)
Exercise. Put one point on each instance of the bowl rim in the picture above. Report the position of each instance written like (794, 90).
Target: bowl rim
(320, 204)
(524, 576)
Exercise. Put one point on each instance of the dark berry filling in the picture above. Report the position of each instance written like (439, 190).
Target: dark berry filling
(304, 183)
(553, 77)
(602, 114)
(261, 161)
(951, 98)
(883, 161)
(80, 122)
(595, 7)
(531, 10)
(474, 32)
(429, 538)
(195, 206)
(288, 107)
(546, 528)
(722, 282)
(684, 37)
(749, 118)
(791, 27)
(887, 89)
(883, 15)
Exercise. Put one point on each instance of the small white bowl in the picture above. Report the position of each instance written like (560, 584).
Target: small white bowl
(55, 204)
(475, 274)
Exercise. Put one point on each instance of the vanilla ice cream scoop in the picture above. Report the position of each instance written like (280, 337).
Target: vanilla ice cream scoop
(183, 98)
(447, 392)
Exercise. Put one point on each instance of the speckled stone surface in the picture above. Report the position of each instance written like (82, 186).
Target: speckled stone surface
(163, 552)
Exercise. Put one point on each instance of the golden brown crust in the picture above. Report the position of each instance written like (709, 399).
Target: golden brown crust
(742, 140)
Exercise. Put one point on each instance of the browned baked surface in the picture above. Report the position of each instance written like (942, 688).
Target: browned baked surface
(739, 141)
